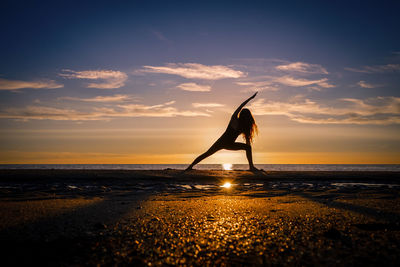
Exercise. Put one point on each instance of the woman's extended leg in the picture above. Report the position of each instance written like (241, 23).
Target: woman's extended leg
(214, 148)
(249, 155)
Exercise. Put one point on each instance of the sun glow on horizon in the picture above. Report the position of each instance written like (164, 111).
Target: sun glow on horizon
(227, 166)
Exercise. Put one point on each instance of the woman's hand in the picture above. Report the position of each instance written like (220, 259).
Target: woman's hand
(253, 96)
(235, 114)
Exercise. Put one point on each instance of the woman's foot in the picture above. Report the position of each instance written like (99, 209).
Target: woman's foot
(253, 169)
(189, 168)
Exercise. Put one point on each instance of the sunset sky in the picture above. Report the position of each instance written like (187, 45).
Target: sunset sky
(157, 81)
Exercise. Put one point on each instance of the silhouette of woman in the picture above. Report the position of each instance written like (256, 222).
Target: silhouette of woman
(242, 124)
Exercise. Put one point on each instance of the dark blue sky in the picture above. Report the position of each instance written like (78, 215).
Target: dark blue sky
(87, 34)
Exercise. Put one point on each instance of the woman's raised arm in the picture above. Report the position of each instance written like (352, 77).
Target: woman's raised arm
(235, 114)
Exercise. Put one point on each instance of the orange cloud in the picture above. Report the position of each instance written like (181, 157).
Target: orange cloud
(195, 71)
(379, 110)
(194, 87)
(295, 82)
(207, 105)
(111, 79)
(364, 84)
(303, 67)
(102, 99)
(40, 84)
(103, 113)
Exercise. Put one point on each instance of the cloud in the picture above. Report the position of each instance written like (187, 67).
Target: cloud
(303, 67)
(376, 69)
(111, 79)
(350, 120)
(259, 86)
(364, 84)
(45, 113)
(296, 76)
(272, 83)
(39, 84)
(296, 82)
(195, 71)
(207, 105)
(324, 84)
(102, 99)
(194, 87)
(102, 113)
(161, 110)
(379, 110)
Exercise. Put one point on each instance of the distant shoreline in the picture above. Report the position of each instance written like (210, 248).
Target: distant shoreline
(213, 167)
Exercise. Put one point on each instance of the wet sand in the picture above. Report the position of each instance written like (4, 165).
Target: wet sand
(78, 217)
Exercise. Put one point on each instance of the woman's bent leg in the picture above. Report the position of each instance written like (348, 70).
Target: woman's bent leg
(242, 146)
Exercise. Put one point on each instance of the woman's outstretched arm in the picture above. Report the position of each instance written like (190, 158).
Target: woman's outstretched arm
(235, 114)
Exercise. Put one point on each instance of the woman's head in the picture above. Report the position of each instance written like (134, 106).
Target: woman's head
(247, 124)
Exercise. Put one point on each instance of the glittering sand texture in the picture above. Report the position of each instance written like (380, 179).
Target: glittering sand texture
(169, 218)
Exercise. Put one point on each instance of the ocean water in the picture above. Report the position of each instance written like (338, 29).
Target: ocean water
(266, 167)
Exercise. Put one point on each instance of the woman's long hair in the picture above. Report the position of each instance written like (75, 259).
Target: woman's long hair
(247, 125)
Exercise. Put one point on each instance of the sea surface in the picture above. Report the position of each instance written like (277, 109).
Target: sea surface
(266, 167)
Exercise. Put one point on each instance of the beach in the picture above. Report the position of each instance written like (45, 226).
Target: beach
(166, 217)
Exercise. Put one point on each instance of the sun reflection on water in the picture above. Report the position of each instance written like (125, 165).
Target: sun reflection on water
(226, 185)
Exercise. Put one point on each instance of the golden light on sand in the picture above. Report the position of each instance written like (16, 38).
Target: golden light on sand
(226, 185)
(227, 166)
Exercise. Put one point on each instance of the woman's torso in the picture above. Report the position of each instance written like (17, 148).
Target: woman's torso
(231, 132)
